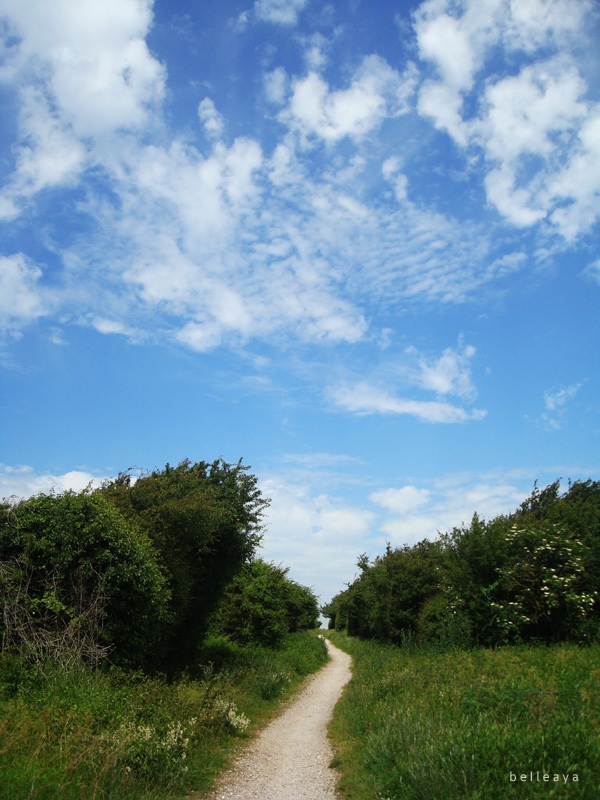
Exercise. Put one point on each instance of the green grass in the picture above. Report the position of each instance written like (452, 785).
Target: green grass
(418, 725)
(110, 735)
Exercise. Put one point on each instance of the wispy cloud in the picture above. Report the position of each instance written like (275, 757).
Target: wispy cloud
(209, 240)
(402, 384)
(402, 501)
(555, 404)
(318, 534)
(21, 298)
(416, 513)
(448, 374)
(593, 271)
(321, 534)
(364, 398)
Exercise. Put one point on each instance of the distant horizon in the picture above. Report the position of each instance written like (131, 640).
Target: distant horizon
(356, 245)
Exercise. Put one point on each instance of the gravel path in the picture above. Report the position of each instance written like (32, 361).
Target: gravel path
(290, 758)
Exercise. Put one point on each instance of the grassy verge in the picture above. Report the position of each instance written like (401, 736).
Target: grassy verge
(118, 736)
(417, 725)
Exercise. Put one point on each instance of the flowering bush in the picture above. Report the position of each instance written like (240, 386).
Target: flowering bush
(540, 592)
(233, 719)
(162, 749)
(146, 750)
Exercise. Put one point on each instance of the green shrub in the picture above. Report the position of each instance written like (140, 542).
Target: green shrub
(261, 605)
(204, 521)
(77, 581)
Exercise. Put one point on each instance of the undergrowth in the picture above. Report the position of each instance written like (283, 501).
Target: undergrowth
(80, 734)
(417, 724)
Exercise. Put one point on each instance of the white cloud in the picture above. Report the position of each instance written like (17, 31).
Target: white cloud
(536, 131)
(448, 374)
(593, 270)
(214, 248)
(443, 505)
(364, 398)
(276, 86)
(210, 119)
(22, 481)
(391, 171)
(557, 399)
(535, 24)
(443, 104)
(115, 327)
(279, 12)
(576, 187)
(401, 501)
(92, 57)
(48, 156)
(85, 78)
(377, 91)
(445, 41)
(320, 535)
(316, 535)
(555, 403)
(525, 111)
(314, 54)
(530, 115)
(386, 389)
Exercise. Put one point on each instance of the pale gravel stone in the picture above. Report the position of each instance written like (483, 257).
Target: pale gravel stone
(290, 758)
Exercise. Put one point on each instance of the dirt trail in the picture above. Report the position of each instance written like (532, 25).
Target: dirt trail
(290, 758)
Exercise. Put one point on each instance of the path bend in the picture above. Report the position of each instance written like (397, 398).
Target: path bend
(289, 760)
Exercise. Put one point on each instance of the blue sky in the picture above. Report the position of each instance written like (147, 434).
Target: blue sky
(355, 244)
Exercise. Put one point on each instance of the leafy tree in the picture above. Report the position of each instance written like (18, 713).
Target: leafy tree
(302, 608)
(77, 579)
(261, 605)
(472, 557)
(205, 522)
(385, 601)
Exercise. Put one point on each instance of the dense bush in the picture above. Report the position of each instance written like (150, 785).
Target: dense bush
(135, 568)
(531, 576)
(262, 604)
(77, 581)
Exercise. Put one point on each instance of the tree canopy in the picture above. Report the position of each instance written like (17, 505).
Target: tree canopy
(139, 567)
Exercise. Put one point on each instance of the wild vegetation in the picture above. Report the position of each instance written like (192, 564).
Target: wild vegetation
(141, 635)
(532, 576)
(476, 662)
(421, 723)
